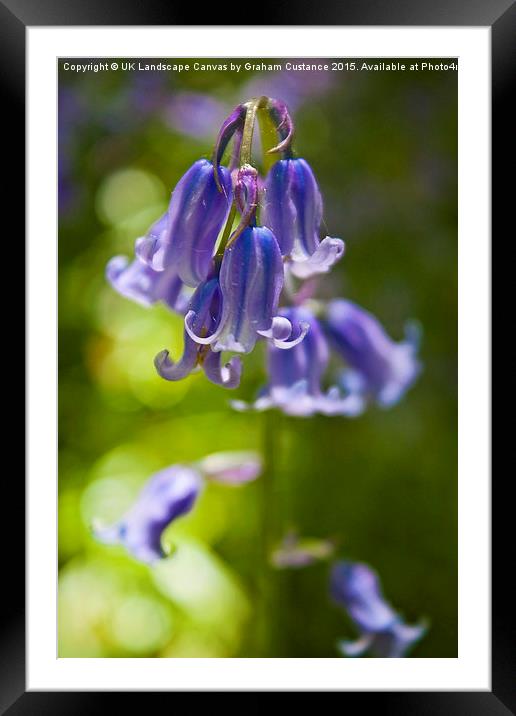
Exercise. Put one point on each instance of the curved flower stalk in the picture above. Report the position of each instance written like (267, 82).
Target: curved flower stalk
(169, 494)
(196, 214)
(202, 316)
(379, 367)
(295, 375)
(232, 128)
(356, 588)
(294, 552)
(279, 113)
(293, 211)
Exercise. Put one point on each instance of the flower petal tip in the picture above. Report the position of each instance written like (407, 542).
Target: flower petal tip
(326, 255)
(281, 331)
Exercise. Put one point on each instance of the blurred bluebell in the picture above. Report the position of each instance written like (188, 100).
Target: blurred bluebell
(169, 494)
(379, 367)
(292, 209)
(356, 588)
(295, 375)
(140, 283)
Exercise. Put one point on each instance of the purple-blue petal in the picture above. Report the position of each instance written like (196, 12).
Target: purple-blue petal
(201, 318)
(384, 369)
(251, 279)
(203, 314)
(167, 369)
(196, 214)
(327, 253)
(293, 207)
(169, 494)
(227, 375)
(398, 640)
(356, 588)
(295, 375)
(142, 284)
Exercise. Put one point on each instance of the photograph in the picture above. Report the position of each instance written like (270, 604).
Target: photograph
(257, 357)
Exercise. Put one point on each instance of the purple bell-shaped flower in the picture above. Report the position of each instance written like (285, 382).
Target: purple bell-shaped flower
(356, 588)
(379, 367)
(293, 211)
(204, 311)
(196, 214)
(295, 376)
(169, 494)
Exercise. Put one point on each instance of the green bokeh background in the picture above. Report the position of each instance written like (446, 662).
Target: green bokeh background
(384, 148)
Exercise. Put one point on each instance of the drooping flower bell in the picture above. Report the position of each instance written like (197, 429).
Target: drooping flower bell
(140, 283)
(379, 367)
(356, 588)
(204, 312)
(295, 376)
(198, 208)
(293, 211)
(169, 494)
(239, 273)
(251, 279)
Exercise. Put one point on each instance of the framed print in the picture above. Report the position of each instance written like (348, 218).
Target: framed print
(259, 258)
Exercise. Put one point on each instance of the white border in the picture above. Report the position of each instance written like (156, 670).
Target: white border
(471, 670)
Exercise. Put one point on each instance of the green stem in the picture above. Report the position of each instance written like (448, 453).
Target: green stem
(268, 136)
(269, 497)
(267, 636)
(246, 147)
(246, 150)
(227, 231)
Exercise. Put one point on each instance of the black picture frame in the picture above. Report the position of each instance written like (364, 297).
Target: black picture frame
(15, 17)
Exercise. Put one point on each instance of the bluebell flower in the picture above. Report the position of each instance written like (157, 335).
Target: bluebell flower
(356, 588)
(379, 367)
(140, 283)
(295, 376)
(196, 214)
(251, 279)
(169, 494)
(204, 312)
(293, 211)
